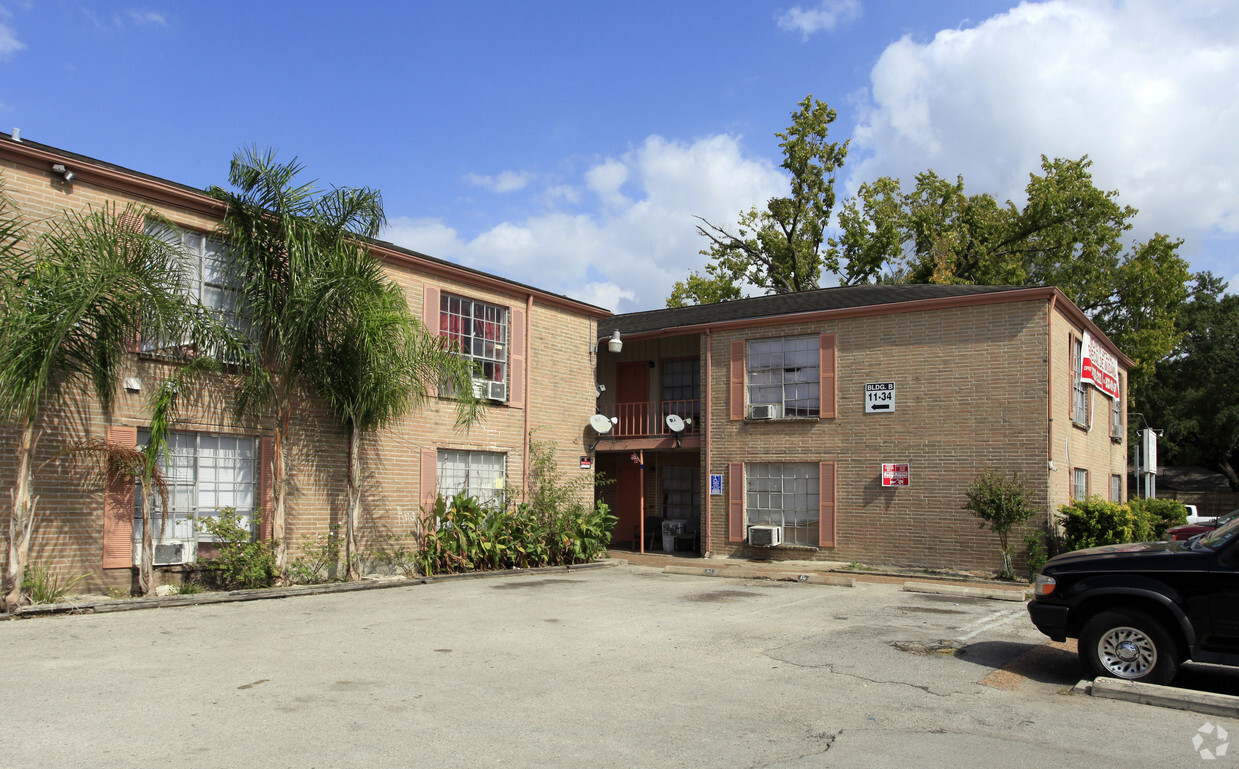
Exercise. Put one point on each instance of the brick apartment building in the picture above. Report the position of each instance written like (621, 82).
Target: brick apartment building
(793, 409)
(538, 375)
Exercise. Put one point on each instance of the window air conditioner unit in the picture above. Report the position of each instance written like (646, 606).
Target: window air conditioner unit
(498, 391)
(766, 536)
(169, 553)
(765, 411)
(480, 390)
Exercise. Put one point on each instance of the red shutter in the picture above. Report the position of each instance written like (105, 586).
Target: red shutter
(118, 507)
(736, 379)
(430, 316)
(1071, 376)
(735, 501)
(429, 479)
(826, 504)
(516, 360)
(266, 464)
(828, 370)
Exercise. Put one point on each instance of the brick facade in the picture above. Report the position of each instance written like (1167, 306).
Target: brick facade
(980, 384)
(556, 338)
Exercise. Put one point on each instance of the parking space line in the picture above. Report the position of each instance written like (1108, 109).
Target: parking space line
(1001, 618)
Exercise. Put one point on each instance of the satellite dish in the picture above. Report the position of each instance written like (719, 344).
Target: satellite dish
(674, 423)
(600, 423)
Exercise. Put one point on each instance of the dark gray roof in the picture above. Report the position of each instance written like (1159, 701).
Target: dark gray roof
(838, 298)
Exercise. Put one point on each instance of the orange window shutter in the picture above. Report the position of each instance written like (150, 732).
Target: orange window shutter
(736, 379)
(828, 375)
(826, 504)
(429, 480)
(516, 360)
(118, 501)
(266, 475)
(735, 501)
(430, 316)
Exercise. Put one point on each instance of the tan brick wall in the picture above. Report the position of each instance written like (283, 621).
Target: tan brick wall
(971, 394)
(559, 401)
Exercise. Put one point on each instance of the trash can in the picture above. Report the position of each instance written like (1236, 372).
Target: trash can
(670, 529)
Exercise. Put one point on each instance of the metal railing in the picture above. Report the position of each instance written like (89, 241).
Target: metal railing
(639, 420)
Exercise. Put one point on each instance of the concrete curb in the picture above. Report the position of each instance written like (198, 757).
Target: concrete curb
(1208, 703)
(742, 572)
(269, 593)
(966, 592)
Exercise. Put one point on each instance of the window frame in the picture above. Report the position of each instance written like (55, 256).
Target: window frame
(485, 366)
(812, 400)
(488, 496)
(1116, 487)
(694, 389)
(1079, 389)
(179, 526)
(807, 532)
(1078, 473)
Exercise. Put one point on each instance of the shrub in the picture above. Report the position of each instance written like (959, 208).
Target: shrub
(244, 561)
(397, 552)
(1003, 504)
(320, 555)
(1161, 513)
(1093, 521)
(41, 586)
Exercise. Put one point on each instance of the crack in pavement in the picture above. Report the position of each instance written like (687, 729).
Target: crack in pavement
(827, 736)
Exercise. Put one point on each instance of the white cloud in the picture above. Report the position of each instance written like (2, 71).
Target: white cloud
(505, 181)
(148, 17)
(627, 254)
(825, 17)
(9, 44)
(1149, 90)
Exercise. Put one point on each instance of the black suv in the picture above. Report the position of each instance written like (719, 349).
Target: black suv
(1139, 610)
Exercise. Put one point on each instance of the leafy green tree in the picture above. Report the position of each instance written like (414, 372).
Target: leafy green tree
(283, 236)
(778, 249)
(1068, 234)
(374, 362)
(1194, 394)
(1003, 504)
(73, 308)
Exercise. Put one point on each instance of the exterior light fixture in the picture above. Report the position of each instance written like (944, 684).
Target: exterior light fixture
(615, 344)
(59, 168)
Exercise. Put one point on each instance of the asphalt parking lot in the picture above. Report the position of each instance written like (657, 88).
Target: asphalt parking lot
(615, 667)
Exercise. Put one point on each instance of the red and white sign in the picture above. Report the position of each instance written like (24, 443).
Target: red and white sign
(1100, 368)
(895, 474)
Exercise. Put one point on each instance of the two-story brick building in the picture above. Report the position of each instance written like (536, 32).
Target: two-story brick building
(846, 423)
(532, 350)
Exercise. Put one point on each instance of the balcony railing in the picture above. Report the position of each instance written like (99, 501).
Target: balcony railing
(641, 420)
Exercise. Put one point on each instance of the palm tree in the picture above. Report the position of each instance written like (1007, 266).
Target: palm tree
(73, 308)
(375, 362)
(283, 236)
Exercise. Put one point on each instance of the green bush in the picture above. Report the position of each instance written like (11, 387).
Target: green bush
(244, 561)
(1003, 504)
(397, 552)
(1161, 513)
(320, 555)
(41, 586)
(552, 528)
(1093, 521)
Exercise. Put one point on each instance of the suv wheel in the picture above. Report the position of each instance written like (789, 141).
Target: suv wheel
(1128, 645)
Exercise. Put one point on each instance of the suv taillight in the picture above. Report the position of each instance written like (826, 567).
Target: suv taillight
(1045, 585)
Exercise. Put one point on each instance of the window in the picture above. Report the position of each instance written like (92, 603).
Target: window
(1116, 488)
(681, 494)
(478, 474)
(210, 275)
(784, 494)
(1079, 402)
(785, 373)
(479, 332)
(1079, 483)
(204, 473)
(1116, 418)
(682, 389)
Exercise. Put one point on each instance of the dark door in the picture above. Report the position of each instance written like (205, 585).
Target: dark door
(628, 503)
(632, 395)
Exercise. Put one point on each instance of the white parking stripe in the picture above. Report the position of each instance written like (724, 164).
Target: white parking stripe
(1001, 618)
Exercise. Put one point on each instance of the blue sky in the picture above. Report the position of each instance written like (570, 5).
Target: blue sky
(569, 145)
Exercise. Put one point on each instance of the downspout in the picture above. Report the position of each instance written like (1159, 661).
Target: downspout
(705, 436)
(528, 398)
(1049, 410)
